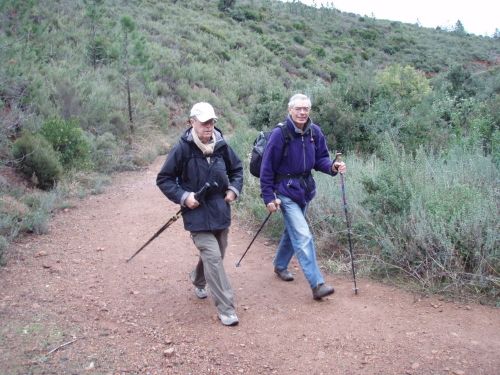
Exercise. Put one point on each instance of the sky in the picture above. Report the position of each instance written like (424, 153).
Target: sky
(480, 17)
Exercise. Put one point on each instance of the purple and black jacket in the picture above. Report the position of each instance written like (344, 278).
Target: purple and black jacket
(289, 173)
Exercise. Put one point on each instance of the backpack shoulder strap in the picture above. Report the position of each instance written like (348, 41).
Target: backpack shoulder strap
(315, 135)
(286, 135)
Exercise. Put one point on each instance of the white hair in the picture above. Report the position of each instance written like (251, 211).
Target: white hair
(295, 98)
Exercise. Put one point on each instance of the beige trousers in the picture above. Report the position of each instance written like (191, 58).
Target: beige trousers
(210, 268)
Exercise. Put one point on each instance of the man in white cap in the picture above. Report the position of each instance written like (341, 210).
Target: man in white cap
(202, 156)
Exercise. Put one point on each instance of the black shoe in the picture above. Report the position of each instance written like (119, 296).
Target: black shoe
(322, 290)
(284, 275)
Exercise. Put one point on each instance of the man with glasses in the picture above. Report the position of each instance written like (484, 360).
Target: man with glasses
(286, 183)
(202, 156)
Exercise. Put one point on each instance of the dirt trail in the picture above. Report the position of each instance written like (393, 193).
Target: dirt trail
(73, 286)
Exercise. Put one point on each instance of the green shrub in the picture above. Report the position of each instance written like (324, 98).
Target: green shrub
(298, 39)
(3, 246)
(41, 206)
(37, 157)
(432, 220)
(69, 141)
(268, 111)
(106, 152)
(244, 13)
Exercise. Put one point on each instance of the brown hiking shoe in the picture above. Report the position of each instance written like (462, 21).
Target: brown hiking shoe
(322, 290)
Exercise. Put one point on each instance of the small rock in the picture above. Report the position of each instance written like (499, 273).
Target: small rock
(100, 249)
(45, 265)
(415, 365)
(41, 253)
(169, 352)
(91, 366)
(458, 372)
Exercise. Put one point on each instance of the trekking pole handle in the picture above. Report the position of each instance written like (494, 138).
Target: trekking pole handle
(204, 188)
(338, 158)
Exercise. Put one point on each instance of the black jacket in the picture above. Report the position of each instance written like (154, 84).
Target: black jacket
(186, 169)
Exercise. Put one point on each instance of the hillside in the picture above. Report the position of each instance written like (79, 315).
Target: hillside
(66, 58)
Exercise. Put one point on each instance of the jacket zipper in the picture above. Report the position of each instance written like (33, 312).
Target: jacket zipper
(304, 154)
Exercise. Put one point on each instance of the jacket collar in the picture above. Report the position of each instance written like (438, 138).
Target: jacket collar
(307, 126)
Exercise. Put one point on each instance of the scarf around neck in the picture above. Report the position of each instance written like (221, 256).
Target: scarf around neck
(206, 148)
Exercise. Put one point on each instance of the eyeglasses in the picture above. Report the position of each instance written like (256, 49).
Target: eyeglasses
(301, 109)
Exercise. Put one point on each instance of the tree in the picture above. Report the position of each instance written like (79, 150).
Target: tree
(128, 27)
(459, 28)
(404, 86)
(96, 48)
(225, 5)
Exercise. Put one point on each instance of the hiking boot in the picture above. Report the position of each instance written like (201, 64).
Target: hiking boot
(284, 275)
(322, 290)
(201, 293)
(228, 319)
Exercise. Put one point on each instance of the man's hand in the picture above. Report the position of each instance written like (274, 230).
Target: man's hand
(339, 167)
(274, 205)
(191, 201)
(230, 196)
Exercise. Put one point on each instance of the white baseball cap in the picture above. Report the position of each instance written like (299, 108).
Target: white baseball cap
(203, 112)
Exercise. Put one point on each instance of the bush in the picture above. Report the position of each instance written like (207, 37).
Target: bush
(432, 220)
(269, 110)
(37, 157)
(106, 153)
(36, 208)
(69, 141)
(3, 246)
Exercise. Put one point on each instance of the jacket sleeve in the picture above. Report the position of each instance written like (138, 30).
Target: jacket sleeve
(170, 174)
(234, 171)
(323, 163)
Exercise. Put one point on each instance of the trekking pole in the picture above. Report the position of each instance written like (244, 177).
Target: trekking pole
(338, 157)
(172, 219)
(254, 237)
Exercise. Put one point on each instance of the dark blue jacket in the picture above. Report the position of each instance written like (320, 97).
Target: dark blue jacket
(186, 169)
(290, 174)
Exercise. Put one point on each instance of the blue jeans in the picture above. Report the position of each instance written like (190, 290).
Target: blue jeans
(297, 239)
